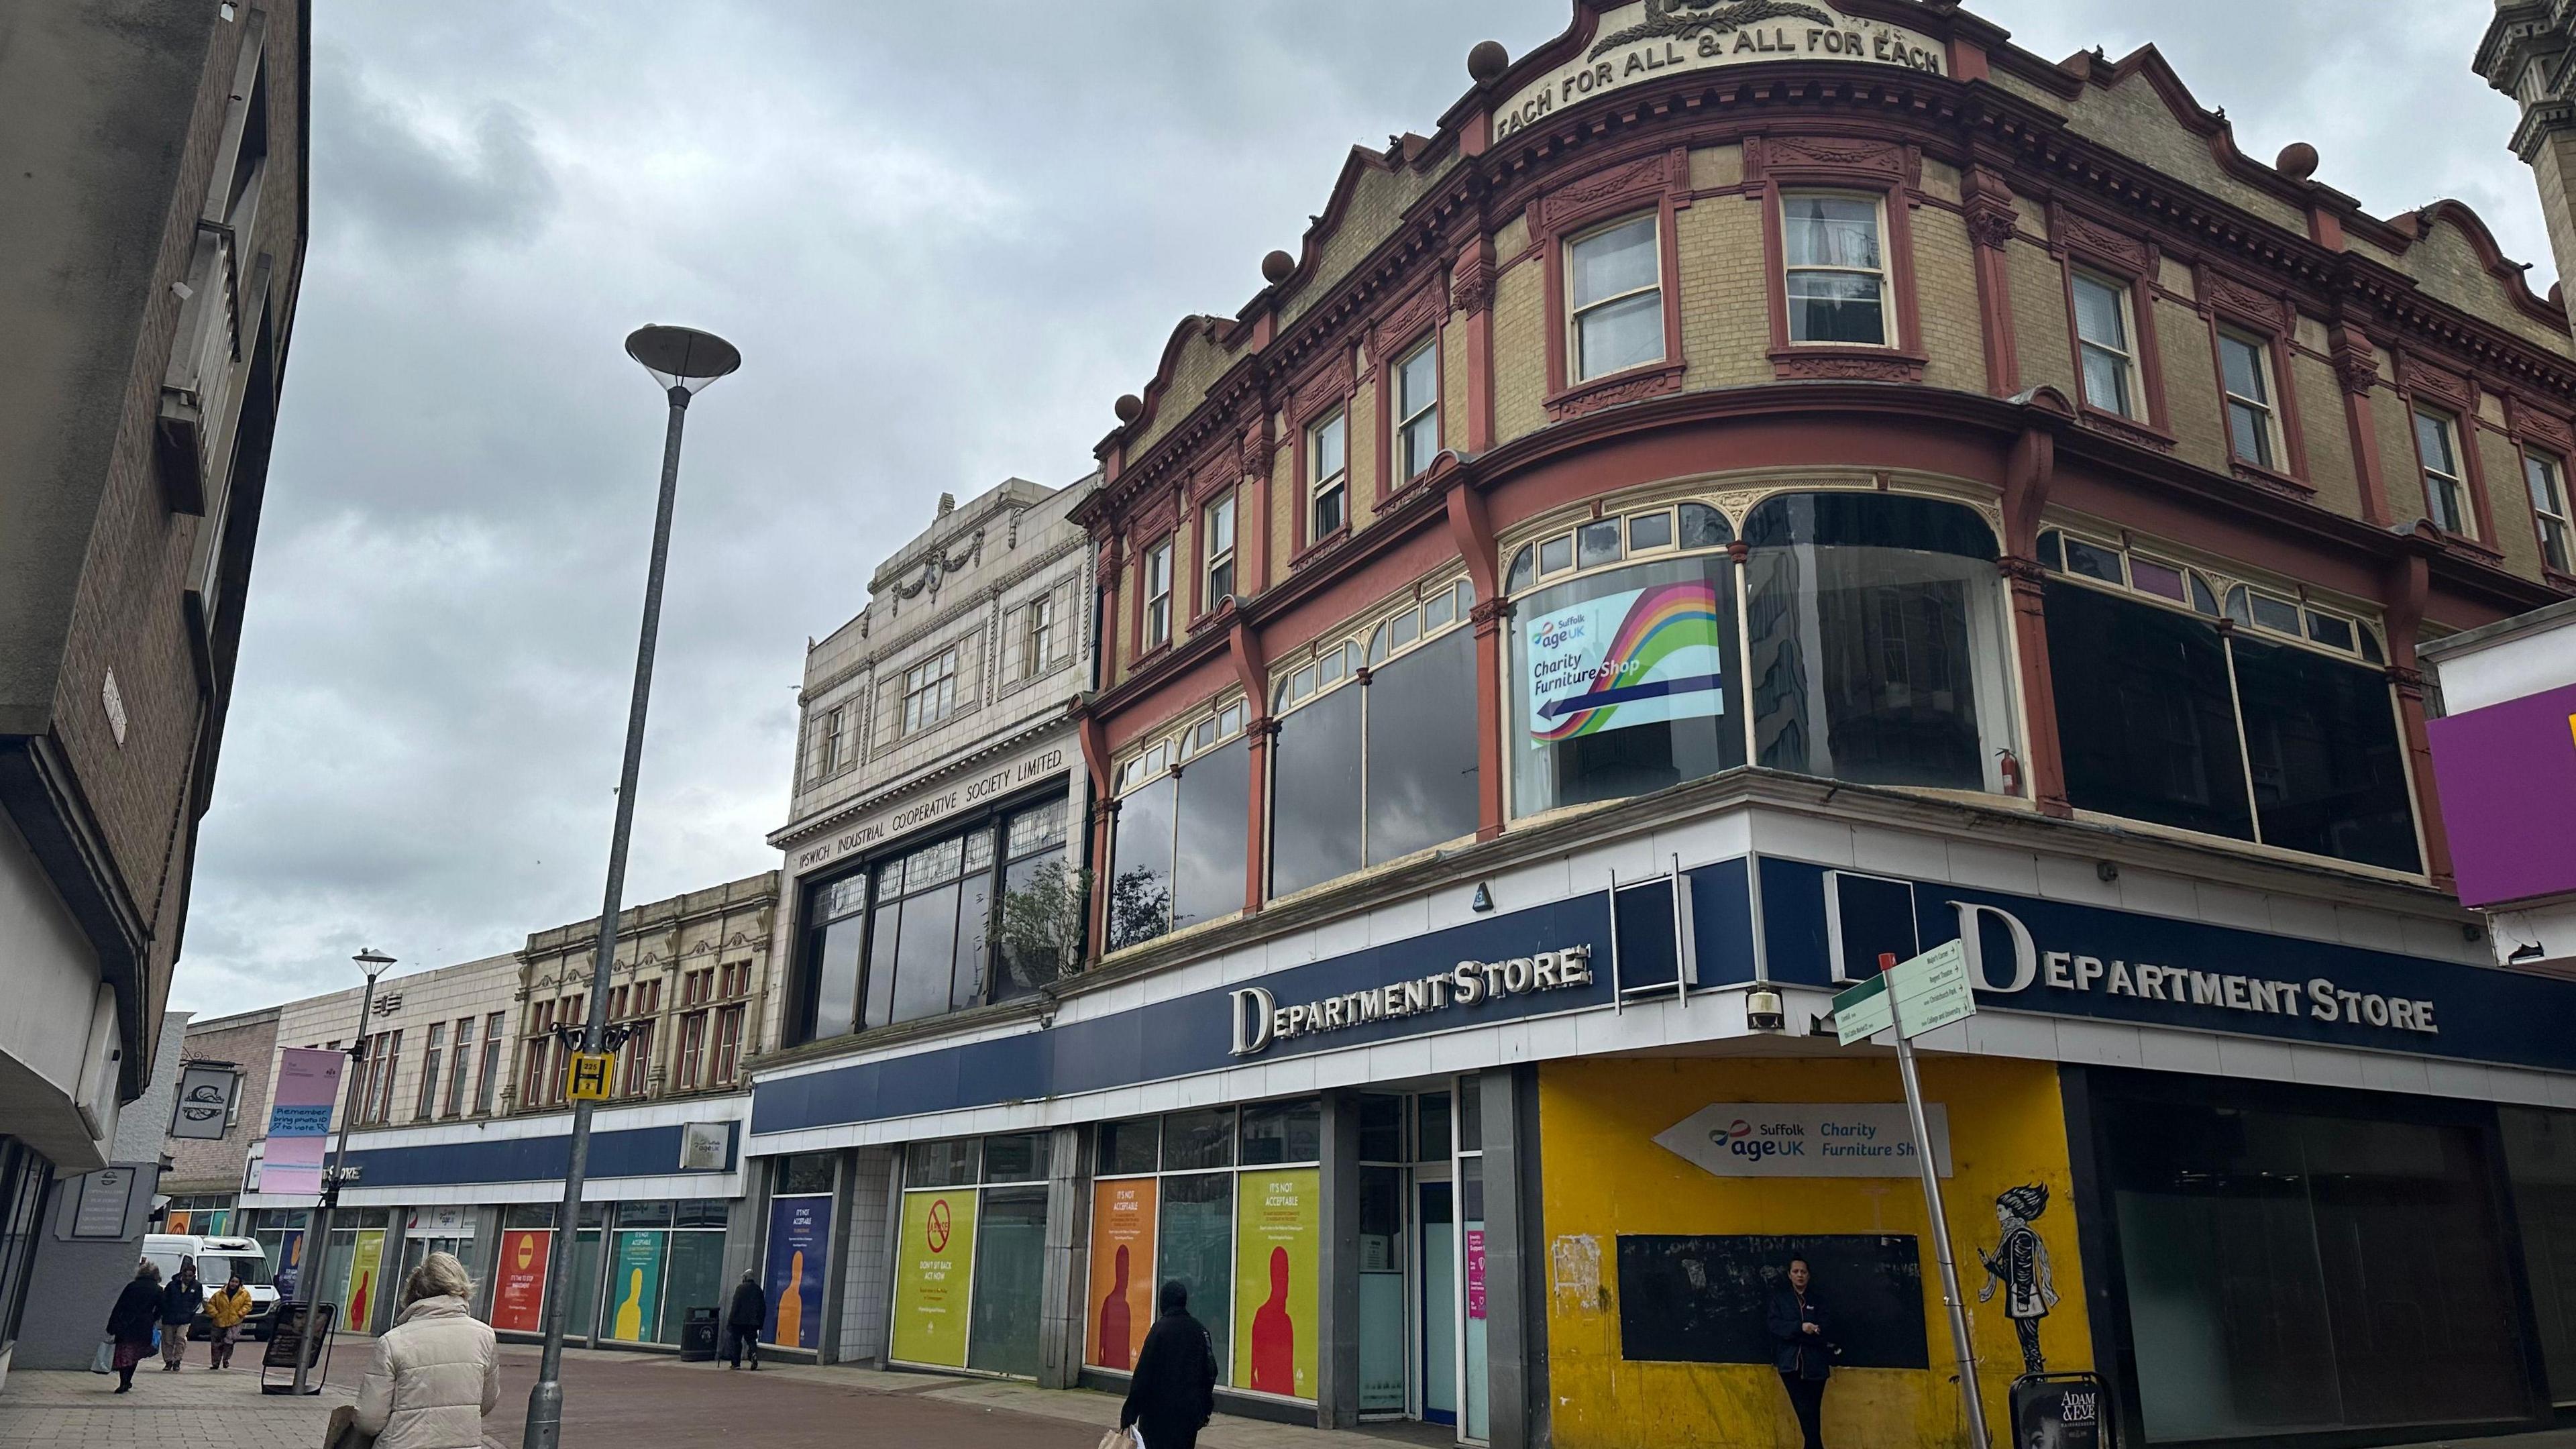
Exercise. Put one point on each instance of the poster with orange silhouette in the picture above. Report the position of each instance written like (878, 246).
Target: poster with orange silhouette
(1120, 1304)
(800, 1228)
(1277, 1230)
(519, 1283)
(934, 1277)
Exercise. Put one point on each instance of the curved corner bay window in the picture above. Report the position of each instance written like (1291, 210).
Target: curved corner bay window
(2201, 723)
(1877, 637)
(1384, 765)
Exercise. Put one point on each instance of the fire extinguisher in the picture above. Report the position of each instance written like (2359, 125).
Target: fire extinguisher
(2011, 772)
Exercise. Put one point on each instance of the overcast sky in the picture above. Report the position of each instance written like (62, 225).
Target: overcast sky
(944, 240)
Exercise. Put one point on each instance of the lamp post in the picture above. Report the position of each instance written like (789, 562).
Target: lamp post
(308, 1278)
(684, 360)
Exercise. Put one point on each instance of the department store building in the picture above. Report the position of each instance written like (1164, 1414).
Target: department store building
(1750, 489)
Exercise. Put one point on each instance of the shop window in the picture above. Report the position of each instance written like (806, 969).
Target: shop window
(1421, 774)
(2446, 487)
(2540, 1161)
(2102, 333)
(1417, 410)
(952, 1163)
(804, 1172)
(1196, 1250)
(1019, 1157)
(2294, 1273)
(1876, 627)
(1315, 795)
(1042, 903)
(1650, 532)
(2329, 771)
(2546, 480)
(2145, 721)
(2253, 428)
(1009, 1281)
(1837, 272)
(1277, 1132)
(1130, 1147)
(1615, 280)
(1194, 1140)
(1140, 891)
(1327, 476)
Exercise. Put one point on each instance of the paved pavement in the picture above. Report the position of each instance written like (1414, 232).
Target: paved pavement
(612, 1401)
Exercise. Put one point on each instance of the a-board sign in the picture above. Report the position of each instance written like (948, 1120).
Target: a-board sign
(1708, 1299)
(286, 1339)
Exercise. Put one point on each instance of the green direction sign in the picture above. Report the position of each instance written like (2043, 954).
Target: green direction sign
(1927, 992)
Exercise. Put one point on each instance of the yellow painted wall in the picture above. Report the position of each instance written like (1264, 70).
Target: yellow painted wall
(1603, 1175)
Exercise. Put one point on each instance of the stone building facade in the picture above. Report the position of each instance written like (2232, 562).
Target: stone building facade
(1752, 492)
(207, 1174)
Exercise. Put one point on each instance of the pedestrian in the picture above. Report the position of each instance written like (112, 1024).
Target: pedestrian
(226, 1307)
(180, 1300)
(1172, 1394)
(743, 1319)
(1806, 1352)
(130, 1322)
(435, 1373)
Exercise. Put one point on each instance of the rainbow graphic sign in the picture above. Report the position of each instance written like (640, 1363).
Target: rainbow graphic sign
(1624, 660)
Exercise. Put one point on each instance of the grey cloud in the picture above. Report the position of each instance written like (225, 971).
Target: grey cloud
(416, 191)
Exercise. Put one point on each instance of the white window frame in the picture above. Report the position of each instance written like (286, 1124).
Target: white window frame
(2125, 354)
(930, 691)
(2549, 507)
(1411, 412)
(836, 738)
(1219, 514)
(1158, 594)
(1037, 643)
(1333, 485)
(2265, 407)
(2456, 478)
(1576, 369)
(1883, 272)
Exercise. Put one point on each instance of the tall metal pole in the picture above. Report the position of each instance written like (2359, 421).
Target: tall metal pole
(308, 1277)
(544, 1428)
(1931, 1170)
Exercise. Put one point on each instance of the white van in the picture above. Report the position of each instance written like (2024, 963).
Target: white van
(217, 1260)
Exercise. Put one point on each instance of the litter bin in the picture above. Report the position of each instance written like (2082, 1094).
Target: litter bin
(698, 1336)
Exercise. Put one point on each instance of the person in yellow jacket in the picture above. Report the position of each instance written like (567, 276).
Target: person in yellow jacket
(226, 1307)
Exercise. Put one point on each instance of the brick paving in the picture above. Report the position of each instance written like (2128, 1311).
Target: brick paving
(612, 1401)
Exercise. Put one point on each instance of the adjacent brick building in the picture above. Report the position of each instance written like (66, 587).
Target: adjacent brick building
(152, 239)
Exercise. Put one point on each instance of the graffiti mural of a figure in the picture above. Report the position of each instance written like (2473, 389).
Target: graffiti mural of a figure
(2019, 1266)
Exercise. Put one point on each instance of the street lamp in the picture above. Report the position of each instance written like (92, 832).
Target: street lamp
(308, 1278)
(684, 360)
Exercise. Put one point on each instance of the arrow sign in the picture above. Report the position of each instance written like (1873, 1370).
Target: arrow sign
(1926, 992)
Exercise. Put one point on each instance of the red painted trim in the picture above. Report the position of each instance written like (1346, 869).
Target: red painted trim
(1471, 291)
(1473, 532)
(1658, 182)
(2228, 304)
(1992, 225)
(2356, 364)
(1882, 170)
(2083, 244)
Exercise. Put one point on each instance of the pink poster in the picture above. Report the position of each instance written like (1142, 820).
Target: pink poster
(1475, 1272)
(299, 1118)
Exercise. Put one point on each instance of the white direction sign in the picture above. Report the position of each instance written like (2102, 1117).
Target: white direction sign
(1807, 1139)
(1926, 992)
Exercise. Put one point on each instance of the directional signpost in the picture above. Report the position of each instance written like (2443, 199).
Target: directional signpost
(1912, 997)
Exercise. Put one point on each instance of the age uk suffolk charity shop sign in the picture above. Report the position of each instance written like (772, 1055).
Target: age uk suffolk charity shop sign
(1622, 660)
(1807, 1139)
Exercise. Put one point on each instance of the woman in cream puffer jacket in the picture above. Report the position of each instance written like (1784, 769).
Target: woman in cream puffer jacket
(435, 1373)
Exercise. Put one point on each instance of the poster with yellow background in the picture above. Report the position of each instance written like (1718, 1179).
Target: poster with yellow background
(366, 1274)
(1120, 1306)
(1277, 1228)
(934, 1277)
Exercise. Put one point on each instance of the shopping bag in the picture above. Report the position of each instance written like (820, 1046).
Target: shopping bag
(1122, 1439)
(104, 1361)
(343, 1431)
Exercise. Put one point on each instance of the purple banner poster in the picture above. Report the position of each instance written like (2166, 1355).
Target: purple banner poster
(2508, 782)
(800, 1234)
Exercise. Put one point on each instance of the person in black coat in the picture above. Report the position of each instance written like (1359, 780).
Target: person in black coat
(130, 1322)
(1173, 1393)
(181, 1298)
(1806, 1351)
(744, 1317)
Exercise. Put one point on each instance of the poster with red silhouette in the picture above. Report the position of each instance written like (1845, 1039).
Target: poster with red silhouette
(1277, 1231)
(1120, 1304)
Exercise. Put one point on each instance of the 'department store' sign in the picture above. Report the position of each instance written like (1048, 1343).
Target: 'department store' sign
(1640, 42)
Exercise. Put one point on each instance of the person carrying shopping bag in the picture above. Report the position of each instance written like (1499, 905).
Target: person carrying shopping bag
(180, 1300)
(435, 1373)
(130, 1322)
(1173, 1392)
(226, 1307)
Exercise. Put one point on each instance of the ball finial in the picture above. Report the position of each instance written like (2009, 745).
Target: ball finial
(1129, 408)
(1278, 267)
(2298, 161)
(1487, 62)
